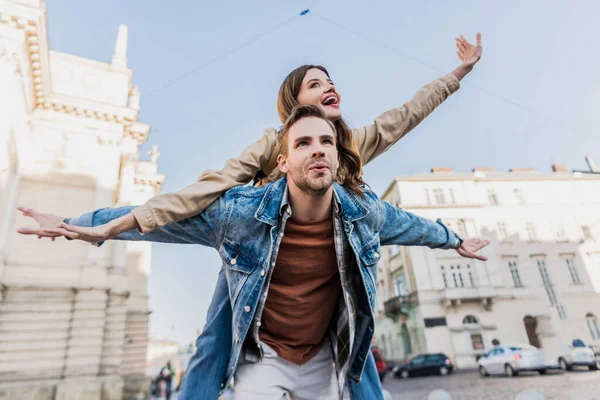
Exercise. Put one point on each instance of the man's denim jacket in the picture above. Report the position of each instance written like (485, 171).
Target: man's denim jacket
(245, 226)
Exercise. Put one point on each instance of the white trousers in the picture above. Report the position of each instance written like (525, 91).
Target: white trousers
(275, 378)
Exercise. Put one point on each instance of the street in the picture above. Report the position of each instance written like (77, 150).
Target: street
(575, 385)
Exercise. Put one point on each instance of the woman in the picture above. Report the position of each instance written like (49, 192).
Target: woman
(308, 84)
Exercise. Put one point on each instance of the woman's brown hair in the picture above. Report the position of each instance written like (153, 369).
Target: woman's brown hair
(350, 171)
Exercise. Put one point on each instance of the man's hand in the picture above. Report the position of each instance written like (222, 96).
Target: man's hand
(467, 53)
(53, 226)
(45, 221)
(468, 248)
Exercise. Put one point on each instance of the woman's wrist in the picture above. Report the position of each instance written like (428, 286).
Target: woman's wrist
(462, 70)
(122, 224)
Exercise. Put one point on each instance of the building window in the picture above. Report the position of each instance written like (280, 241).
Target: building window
(519, 196)
(454, 275)
(502, 232)
(462, 228)
(452, 198)
(587, 232)
(400, 287)
(470, 320)
(549, 287)
(531, 231)
(458, 226)
(427, 196)
(470, 273)
(477, 341)
(546, 281)
(592, 323)
(444, 277)
(570, 261)
(492, 197)
(514, 272)
(438, 195)
(462, 276)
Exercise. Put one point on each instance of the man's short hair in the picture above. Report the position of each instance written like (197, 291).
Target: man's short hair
(298, 113)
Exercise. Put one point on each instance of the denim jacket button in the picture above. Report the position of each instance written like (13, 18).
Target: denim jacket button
(376, 255)
(258, 324)
(262, 272)
(247, 308)
(233, 262)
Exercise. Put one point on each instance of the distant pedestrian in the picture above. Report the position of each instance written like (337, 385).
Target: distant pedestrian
(166, 375)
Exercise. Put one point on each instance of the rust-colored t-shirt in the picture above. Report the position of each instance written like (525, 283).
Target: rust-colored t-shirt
(303, 291)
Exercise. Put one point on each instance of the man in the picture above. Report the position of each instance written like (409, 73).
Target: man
(166, 375)
(300, 258)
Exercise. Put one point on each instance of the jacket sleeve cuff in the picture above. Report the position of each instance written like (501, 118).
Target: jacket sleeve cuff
(451, 82)
(145, 219)
(454, 241)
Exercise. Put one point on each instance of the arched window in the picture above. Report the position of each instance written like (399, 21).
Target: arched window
(470, 320)
(593, 326)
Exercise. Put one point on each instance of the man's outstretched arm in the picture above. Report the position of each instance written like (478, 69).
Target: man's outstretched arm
(97, 226)
(404, 228)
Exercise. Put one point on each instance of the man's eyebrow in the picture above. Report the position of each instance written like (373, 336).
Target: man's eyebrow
(298, 139)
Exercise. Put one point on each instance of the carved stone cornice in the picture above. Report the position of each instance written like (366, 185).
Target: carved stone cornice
(45, 101)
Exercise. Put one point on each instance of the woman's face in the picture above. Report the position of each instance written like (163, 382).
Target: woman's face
(319, 90)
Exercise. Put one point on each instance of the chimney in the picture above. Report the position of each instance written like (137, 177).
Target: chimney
(483, 169)
(438, 170)
(119, 58)
(521, 170)
(591, 164)
(559, 168)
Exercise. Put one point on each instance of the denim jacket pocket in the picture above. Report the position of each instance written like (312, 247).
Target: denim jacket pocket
(369, 257)
(238, 266)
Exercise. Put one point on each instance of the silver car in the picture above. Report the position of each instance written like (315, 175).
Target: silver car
(509, 360)
(577, 354)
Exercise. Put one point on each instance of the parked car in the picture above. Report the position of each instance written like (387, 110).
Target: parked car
(423, 365)
(380, 363)
(512, 359)
(577, 353)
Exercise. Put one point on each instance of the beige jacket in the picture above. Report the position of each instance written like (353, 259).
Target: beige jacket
(371, 141)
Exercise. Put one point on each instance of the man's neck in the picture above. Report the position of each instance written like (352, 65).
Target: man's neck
(308, 207)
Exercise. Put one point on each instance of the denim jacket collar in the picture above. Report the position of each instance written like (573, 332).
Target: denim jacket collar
(275, 200)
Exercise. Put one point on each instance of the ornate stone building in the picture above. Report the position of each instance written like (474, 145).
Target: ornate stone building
(540, 284)
(73, 317)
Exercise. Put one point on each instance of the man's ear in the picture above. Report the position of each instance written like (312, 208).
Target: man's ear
(282, 164)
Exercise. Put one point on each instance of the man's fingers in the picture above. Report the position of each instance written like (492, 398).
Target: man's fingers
(478, 39)
(461, 45)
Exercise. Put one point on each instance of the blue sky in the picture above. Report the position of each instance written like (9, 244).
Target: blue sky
(538, 54)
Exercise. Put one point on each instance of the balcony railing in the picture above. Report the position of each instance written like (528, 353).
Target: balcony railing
(399, 304)
(468, 293)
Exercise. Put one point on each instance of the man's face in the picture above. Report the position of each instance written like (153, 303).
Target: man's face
(312, 160)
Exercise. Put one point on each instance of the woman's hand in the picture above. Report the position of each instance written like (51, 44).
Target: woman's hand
(467, 53)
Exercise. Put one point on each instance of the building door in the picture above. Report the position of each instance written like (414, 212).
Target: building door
(530, 328)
